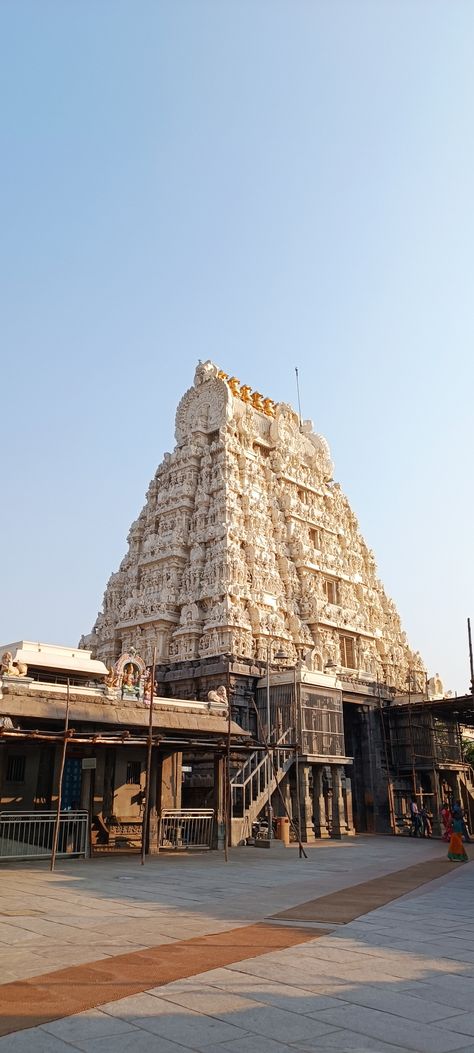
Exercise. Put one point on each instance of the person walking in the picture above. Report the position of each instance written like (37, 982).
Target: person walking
(416, 829)
(456, 851)
(459, 815)
(426, 822)
(447, 821)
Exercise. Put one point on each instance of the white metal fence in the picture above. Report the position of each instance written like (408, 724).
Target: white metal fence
(187, 828)
(29, 835)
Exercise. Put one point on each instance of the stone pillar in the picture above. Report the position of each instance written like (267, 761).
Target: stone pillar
(98, 797)
(347, 793)
(219, 801)
(171, 780)
(338, 816)
(436, 806)
(85, 801)
(306, 800)
(319, 803)
(154, 805)
(286, 794)
(55, 781)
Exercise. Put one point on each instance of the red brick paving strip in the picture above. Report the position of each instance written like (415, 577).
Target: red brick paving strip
(341, 907)
(53, 995)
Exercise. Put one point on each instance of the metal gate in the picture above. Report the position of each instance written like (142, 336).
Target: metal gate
(29, 835)
(182, 828)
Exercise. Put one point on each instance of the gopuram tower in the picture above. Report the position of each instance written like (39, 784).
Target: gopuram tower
(247, 551)
(244, 539)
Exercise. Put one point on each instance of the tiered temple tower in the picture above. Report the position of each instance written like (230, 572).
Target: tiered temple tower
(245, 542)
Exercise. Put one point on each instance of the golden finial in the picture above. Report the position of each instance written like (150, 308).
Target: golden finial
(257, 401)
(245, 392)
(222, 376)
(269, 407)
(234, 385)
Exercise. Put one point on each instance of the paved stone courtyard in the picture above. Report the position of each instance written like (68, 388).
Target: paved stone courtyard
(400, 977)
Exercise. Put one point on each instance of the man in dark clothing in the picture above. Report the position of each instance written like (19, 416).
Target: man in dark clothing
(426, 822)
(416, 829)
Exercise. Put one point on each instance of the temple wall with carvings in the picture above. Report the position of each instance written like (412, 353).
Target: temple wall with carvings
(244, 539)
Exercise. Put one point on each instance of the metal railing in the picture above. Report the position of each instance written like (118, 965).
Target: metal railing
(182, 828)
(251, 781)
(29, 835)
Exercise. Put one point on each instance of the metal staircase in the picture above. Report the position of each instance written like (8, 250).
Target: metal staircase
(250, 787)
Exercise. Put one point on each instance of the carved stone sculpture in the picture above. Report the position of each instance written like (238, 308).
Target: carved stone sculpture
(435, 687)
(7, 723)
(11, 668)
(218, 697)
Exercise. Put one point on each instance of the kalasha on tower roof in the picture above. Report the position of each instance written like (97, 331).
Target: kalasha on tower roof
(244, 537)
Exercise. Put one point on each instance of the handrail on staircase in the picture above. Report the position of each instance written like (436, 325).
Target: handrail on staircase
(256, 762)
(468, 772)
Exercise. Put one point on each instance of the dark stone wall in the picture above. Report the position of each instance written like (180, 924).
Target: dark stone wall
(194, 680)
(364, 742)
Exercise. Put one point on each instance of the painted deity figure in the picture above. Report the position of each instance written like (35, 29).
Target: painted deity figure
(111, 678)
(130, 682)
(147, 686)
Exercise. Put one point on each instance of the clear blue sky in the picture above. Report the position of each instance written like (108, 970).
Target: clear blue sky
(263, 183)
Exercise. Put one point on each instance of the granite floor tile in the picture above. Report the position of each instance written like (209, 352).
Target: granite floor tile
(257, 1018)
(456, 998)
(393, 1029)
(342, 1041)
(463, 1023)
(138, 907)
(395, 969)
(33, 1040)
(398, 1003)
(281, 995)
(251, 1044)
(91, 1024)
(153, 1013)
(331, 952)
(134, 1041)
(134, 1007)
(301, 974)
(468, 1049)
(187, 1029)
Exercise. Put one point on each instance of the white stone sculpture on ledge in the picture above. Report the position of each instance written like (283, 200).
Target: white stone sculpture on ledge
(10, 668)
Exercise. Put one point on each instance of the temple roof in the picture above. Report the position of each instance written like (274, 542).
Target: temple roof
(54, 656)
